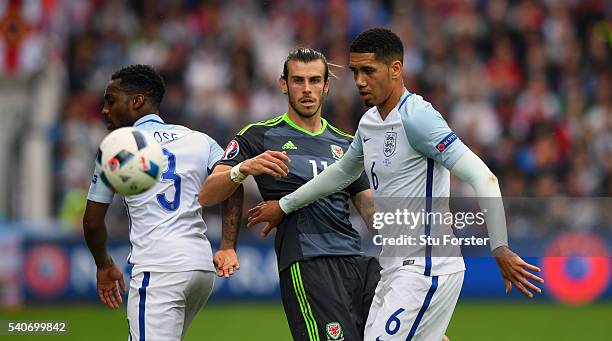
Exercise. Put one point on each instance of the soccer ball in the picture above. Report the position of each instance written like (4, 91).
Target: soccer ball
(130, 161)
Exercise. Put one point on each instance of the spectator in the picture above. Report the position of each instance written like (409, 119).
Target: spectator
(526, 84)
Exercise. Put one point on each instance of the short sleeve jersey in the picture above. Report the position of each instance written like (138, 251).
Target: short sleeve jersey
(323, 227)
(167, 232)
(408, 155)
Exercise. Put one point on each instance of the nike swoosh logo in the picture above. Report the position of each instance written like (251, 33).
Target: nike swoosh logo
(364, 141)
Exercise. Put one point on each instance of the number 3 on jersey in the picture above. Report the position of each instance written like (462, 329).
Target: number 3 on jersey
(170, 175)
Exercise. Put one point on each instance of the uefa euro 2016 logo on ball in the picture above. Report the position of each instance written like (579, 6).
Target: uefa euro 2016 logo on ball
(130, 161)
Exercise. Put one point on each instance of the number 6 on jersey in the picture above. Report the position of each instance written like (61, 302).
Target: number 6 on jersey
(374, 177)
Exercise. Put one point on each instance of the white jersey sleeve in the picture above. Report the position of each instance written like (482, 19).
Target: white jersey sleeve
(98, 191)
(167, 232)
(333, 179)
(356, 148)
(215, 153)
(472, 170)
(429, 134)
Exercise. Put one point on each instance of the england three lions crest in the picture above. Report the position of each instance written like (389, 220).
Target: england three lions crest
(390, 143)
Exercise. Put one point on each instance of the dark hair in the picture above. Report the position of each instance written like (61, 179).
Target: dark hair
(385, 44)
(306, 55)
(142, 79)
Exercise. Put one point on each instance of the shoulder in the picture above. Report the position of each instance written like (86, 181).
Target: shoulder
(259, 128)
(175, 127)
(169, 133)
(204, 137)
(337, 133)
(418, 116)
(418, 107)
(186, 133)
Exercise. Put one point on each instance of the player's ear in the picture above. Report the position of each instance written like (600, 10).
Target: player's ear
(326, 87)
(396, 69)
(283, 84)
(138, 101)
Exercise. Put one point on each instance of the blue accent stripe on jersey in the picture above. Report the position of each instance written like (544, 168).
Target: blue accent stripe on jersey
(428, 208)
(403, 101)
(127, 209)
(141, 305)
(129, 330)
(426, 303)
(141, 123)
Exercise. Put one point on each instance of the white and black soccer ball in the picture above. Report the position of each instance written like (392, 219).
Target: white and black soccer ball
(130, 161)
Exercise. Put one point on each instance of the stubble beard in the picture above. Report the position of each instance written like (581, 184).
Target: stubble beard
(293, 105)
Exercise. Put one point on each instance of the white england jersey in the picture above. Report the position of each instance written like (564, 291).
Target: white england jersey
(407, 158)
(167, 232)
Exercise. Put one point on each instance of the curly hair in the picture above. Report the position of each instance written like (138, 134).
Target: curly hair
(385, 44)
(141, 79)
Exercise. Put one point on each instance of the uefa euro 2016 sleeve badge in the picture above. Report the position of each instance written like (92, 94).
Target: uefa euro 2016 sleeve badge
(231, 150)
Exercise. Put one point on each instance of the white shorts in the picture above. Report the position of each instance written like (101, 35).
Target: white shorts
(411, 306)
(161, 305)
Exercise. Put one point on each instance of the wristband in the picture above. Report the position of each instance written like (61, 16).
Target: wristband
(236, 175)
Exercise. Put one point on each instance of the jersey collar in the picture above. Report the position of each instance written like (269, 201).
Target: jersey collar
(149, 118)
(398, 106)
(298, 128)
(403, 99)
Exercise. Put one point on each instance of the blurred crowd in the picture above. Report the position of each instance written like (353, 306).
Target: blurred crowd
(525, 84)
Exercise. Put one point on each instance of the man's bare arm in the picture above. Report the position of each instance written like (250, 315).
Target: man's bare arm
(226, 259)
(219, 185)
(364, 202)
(231, 210)
(94, 230)
(109, 278)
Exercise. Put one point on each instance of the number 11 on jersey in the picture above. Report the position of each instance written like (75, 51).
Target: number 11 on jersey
(315, 171)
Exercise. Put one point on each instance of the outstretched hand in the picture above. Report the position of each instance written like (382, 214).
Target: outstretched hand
(268, 211)
(109, 281)
(226, 262)
(516, 271)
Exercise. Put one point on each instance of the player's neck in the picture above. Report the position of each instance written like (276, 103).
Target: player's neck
(391, 102)
(146, 111)
(312, 124)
